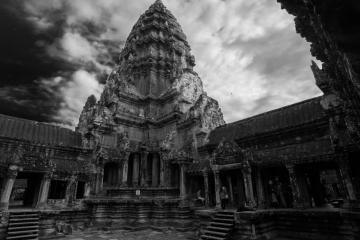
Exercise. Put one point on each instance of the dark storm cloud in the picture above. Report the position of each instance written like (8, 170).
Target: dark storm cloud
(22, 62)
(39, 59)
(56, 53)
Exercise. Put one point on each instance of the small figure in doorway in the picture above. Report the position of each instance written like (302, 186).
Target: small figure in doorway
(224, 197)
(273, 198)
(198, 195)
(324, 192)
(279, 192)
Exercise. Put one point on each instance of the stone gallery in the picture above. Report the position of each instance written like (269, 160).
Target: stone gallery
(155, 152)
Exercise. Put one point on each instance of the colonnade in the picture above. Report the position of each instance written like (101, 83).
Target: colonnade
(140, 169)
(252, 192)
(41, 195)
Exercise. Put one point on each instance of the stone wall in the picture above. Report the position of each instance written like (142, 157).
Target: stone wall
(63, 221)
(133, 213)
(295, 224)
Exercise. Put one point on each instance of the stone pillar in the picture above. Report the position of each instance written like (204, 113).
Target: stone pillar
(298, 199)
(230, 189)
(262, 204)
(217, 189)
(70, 189)
(163, 171)
(119, 174)
(343, 189)
(168, 174)
(8, 185)
(155, 170)
(144, 174)
(183, 190)
(125, 168)
(44, 191)
(352, 193)
(136, 162)
(246, 171)
(89, 185)
(206, 188)
(100, 178)
(241, 191)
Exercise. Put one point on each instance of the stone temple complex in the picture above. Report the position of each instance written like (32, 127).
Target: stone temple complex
(154, 142)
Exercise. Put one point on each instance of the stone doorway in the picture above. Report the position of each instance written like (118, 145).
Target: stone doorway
(25, 192)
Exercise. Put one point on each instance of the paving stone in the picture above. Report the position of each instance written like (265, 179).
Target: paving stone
(140, 235)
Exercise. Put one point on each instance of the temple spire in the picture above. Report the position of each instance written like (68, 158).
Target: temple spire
(159, 3)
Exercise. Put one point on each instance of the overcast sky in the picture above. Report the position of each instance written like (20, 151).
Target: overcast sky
(54, 54)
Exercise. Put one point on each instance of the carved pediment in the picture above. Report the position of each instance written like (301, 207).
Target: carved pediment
(228, 152)
(37, 162)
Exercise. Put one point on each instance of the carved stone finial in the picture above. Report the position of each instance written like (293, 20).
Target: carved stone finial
(90, 102)
(16, 156)
(159, 2)
(321, 80)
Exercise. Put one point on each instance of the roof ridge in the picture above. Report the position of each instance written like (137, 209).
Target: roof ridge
(271, 111)
(32, 121)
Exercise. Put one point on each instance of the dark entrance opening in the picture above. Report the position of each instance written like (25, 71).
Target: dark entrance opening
(25, 192)
(175, 175)
(80, 190)
(57, 189)
(111, 174)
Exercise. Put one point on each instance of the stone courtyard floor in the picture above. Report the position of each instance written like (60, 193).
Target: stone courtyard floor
(131, 235)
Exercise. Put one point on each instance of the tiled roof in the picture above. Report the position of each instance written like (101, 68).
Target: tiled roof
(281, 118)
(18, 128)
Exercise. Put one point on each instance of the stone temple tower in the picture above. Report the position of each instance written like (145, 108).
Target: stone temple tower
(152, 114)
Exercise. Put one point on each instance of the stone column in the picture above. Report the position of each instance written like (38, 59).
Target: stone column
(230, 188)
(101, 178)
(246, 171)
(298, 199)
(183, 190)
(241, 191)
(119, 174)
(70, 189)
(260, 190)
(155, 170)
(343, 189)
(44, 190)
(206, 188)
(217, 189)
(168, 174)
(89, 185)
(144, 174)
(136, 162)
(351, 191)
(125, 166)
(163, 171)
(8, 185)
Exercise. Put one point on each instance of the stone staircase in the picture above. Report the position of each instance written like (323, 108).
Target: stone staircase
(23, 225)
(221, 226)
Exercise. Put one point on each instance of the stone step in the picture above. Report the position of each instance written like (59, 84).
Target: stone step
(23, 223)
(225, 216)
(218, 229)
(221, 224)
(223, 220)
(226, 212)
(32, 236)
(220, 234)
(24, 215)
(21, 232)
(23, 227)
(23, 219)
(211, 237)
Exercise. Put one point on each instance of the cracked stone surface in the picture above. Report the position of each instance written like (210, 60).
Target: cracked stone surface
(130, 235)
